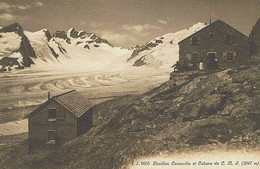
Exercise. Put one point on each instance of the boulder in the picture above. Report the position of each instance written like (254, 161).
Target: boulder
(189, 111)
(211, 104)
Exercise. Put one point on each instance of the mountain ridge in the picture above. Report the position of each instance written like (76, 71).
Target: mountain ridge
(41, 50)
(70, 50)
(25, 48)
(162, 48)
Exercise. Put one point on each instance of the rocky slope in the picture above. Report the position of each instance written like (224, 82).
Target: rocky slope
(190, 111)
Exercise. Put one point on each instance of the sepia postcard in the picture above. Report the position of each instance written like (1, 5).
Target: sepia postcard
(129, 84)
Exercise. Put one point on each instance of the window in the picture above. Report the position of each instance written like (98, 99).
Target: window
(211, 55)
(229, 38)
(52, 115)
(51, 137)
(229, 56)
(194, 57)
(194, 40)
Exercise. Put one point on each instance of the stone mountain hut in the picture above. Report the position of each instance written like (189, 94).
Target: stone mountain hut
(61, 118)
(218, 42)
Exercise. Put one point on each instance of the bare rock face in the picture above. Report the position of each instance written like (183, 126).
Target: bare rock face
(68, 41)
(56, 55)
(137, 51)
(13, 28)
(60, 34)
(76, 34)
(78, 43)
(147, 46)
(47, 34)
(86, 46)
(99, 40)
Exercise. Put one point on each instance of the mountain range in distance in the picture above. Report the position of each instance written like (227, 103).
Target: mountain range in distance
(74, 50)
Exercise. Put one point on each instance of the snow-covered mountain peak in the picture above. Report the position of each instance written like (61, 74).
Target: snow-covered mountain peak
(75, 34)
(163, 51)
(43, 34)
(70, 50)
(74, 50)
(14, 44)
(13, 28)
(81, 38)
(60, 34)
(198, 26)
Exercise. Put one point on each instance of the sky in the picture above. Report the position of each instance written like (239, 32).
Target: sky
(127, 23)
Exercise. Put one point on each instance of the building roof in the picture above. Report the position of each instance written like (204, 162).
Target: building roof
(72, 100)
(216, 22)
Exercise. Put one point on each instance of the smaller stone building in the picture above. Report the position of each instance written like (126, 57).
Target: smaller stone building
(61, 118)
(216, 42)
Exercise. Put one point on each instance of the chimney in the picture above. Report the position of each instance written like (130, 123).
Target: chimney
(49, 95)
(209, 20)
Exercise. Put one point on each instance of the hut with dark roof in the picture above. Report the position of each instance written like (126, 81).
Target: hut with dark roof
(61, 118)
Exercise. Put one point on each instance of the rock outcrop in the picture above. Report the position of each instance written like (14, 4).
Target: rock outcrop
(47, 34)
(25, 48)
(60, 34)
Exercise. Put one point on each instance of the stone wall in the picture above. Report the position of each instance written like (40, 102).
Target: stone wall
(65, 127)
(213, 38)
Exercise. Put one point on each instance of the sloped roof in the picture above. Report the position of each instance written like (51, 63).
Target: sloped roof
(216, 22)
(72, 100)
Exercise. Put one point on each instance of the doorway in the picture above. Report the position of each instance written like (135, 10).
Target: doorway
(211, 60)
